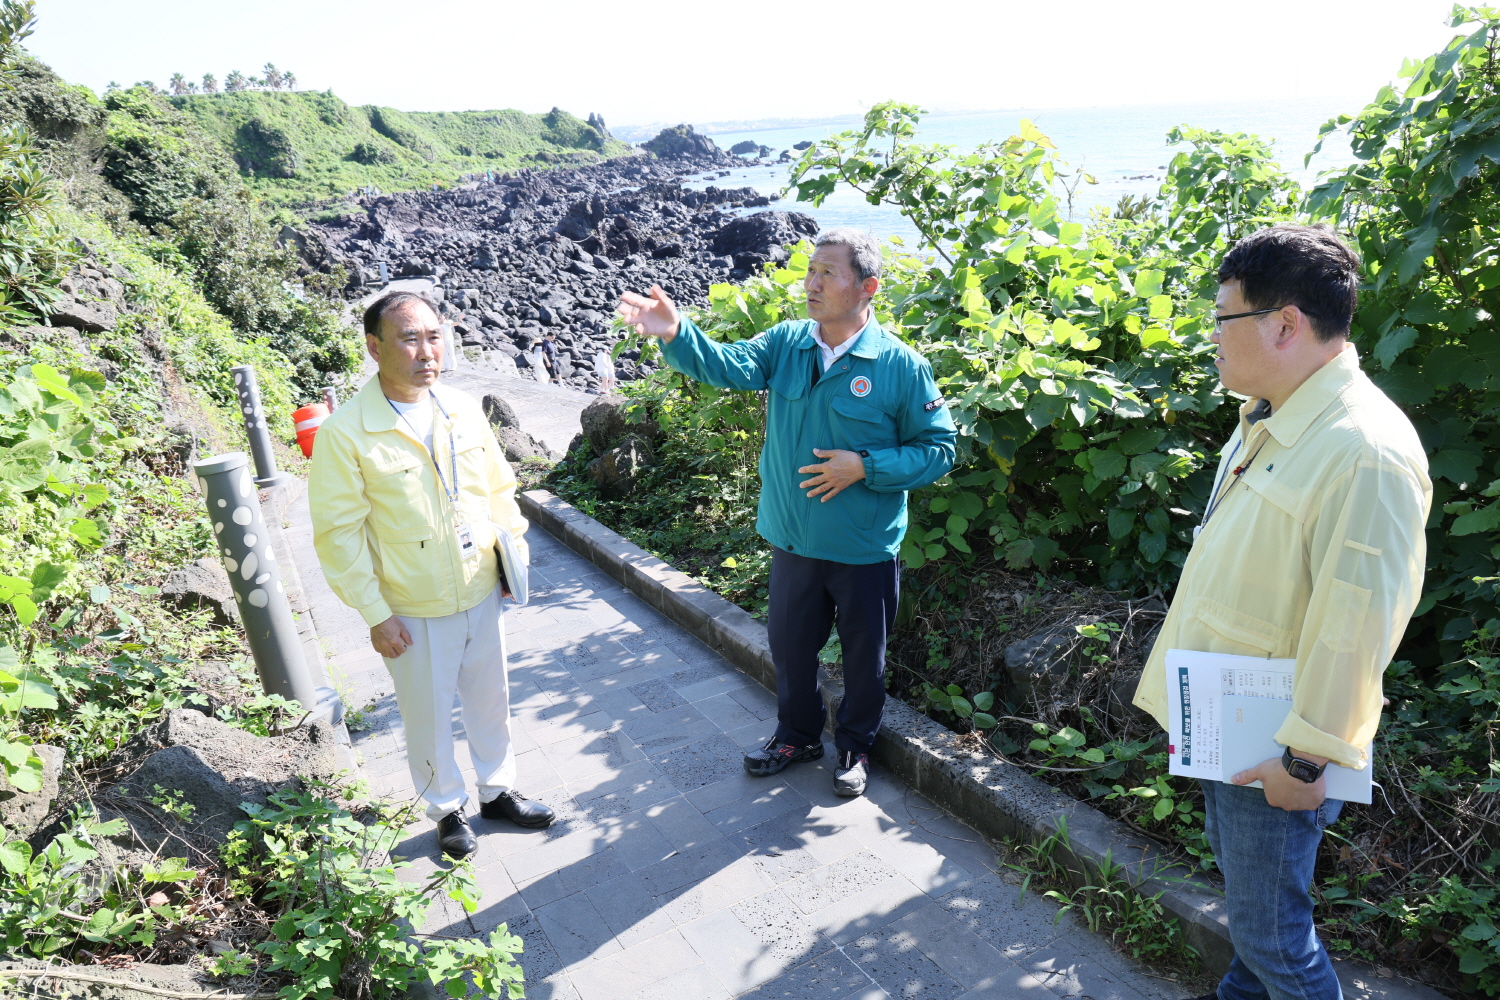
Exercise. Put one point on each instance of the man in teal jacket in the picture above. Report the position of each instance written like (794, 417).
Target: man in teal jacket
(854, 420)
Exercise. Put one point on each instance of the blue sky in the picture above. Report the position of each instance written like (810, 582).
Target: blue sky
(673, 60)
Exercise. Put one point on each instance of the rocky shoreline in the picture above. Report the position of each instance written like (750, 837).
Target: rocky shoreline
(522, 254)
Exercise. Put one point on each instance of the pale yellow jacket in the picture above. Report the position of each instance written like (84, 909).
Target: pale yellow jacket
(1316, 552)
(383, 527)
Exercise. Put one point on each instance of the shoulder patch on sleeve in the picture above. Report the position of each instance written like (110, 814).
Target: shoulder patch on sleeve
(929, 407)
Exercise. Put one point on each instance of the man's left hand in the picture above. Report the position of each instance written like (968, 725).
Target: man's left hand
(842, 470)
(1282, 790)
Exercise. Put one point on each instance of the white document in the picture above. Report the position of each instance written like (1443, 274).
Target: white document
(1224, 712)
(515, 569)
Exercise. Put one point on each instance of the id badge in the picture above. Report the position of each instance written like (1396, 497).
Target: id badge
(465, 540)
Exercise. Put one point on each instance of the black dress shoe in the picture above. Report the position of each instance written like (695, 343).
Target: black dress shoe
(455, 837)
(518, 809)
(774, 757)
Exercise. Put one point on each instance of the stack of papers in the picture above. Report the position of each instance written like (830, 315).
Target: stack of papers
(1225, 711)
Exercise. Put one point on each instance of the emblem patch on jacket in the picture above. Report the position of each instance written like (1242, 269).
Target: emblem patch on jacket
(929, 407)
(860, 386)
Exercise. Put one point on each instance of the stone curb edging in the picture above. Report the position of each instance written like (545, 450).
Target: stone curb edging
(998, 799)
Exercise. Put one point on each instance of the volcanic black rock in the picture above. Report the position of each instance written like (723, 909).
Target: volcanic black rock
(552, 250)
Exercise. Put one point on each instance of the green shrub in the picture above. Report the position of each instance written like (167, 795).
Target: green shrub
(345, 917)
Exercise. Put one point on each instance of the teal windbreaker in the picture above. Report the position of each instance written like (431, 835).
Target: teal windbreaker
(879, 400)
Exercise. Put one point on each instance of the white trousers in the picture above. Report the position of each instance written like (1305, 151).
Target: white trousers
(461, 654)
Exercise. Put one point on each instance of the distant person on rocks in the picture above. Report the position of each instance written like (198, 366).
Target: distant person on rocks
(604, 367)
(550, 353)
(410, 494)
(1312, 547)
(854, 420)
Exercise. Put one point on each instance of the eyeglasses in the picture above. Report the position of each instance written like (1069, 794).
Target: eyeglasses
(1219, 321)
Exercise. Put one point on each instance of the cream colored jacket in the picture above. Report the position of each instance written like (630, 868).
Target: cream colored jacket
(384, 528)
(1316, 552)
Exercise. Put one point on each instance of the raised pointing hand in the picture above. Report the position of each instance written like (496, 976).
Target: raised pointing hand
(655, 316)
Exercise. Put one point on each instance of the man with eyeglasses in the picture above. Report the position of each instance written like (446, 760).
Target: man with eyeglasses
(1312, 548)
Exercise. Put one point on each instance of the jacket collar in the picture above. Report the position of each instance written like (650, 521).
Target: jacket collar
(867, 342)
(376, 412)
(1311, 399)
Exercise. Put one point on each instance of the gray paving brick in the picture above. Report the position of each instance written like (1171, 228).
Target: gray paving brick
(952, 947)
(613, 793)
(776, 846)
(700, 763)
(756, 699)
(630, 910)
(637, 969)
(576, 930)
(725, 712)
(995, 911)
(538, 959)
(736, 957)
(686, 867)
(667, 723)
(579, 876)
(773, 802)
(657, 695)
(680, 822)
(894, 961)
(840, 880)
(737, 881)
(778, 926)
(829, 976)
(591, 753)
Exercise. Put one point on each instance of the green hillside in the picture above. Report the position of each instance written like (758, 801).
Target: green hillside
(310, 145)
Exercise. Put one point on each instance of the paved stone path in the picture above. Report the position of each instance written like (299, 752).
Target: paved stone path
(549, 413)
(670, 874)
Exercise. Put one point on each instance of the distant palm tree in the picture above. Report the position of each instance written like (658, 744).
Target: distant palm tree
(210, 84)
(273, 76)
(235, 82)
(179, 84)
(289, 80)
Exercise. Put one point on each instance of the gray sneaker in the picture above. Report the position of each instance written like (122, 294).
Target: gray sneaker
(852, 774)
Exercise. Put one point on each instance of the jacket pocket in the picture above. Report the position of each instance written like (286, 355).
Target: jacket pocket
(398, 495)
(408, 565)
(863, 424)
(791, 381)
(1244, 629)
(1344, 620)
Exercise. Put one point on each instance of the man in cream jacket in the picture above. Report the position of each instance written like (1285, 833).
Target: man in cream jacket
(408, 492)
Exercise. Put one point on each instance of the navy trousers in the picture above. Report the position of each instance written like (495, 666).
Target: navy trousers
(805, 596)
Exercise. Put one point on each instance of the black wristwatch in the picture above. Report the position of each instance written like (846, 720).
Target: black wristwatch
(1302, 770)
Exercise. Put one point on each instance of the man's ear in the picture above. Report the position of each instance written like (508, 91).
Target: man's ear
(1292, 327)
(869, 287)
(372, 347)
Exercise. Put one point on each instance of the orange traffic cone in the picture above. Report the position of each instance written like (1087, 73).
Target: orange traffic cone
(308, 419)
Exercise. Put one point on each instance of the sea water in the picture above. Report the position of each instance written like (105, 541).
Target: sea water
(1123, 150)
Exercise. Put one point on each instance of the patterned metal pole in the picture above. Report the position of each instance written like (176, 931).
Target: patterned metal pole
(330, 398)
(255, 426)
(245, 548)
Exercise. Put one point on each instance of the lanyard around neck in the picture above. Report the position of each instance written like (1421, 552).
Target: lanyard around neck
(1217, 497)
(450, 491)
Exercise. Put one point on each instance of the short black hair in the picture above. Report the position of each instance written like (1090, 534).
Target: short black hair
(390, 302)
(1304, 266)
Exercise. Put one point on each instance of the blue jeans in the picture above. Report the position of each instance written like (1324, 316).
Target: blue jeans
(1266, 856)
